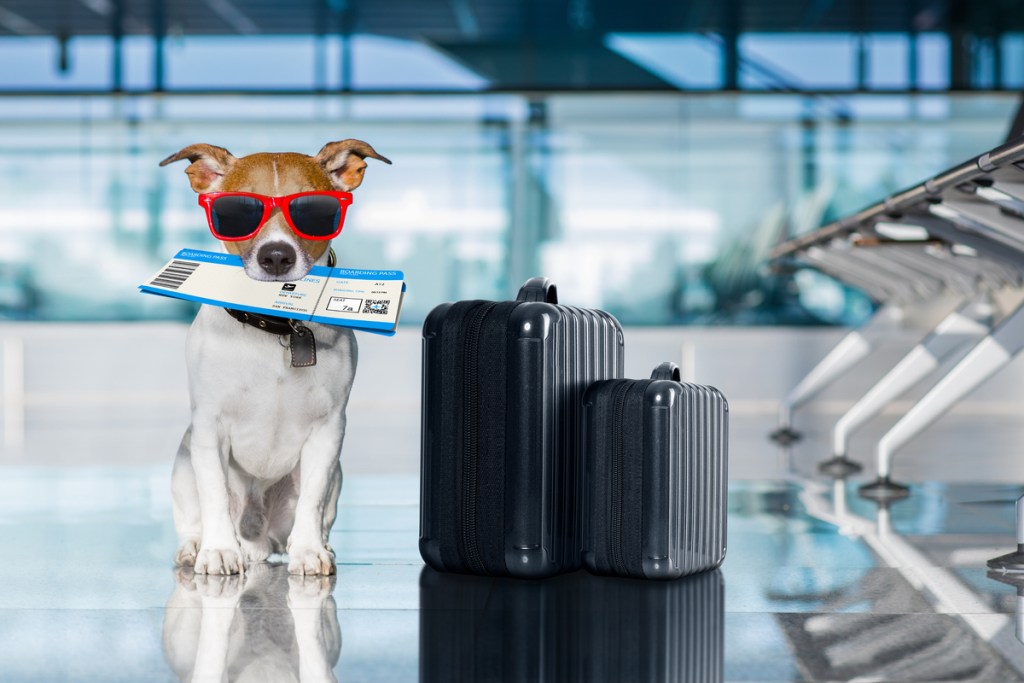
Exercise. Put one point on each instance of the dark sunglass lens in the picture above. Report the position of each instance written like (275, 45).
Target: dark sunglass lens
(315, 215)
(236, 216)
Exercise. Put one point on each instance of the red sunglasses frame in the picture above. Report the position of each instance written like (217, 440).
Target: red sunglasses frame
(269, 204)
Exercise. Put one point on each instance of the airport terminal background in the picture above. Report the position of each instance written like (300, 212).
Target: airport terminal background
(645, 160)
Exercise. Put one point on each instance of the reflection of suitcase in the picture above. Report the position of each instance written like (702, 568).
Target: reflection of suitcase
(575, 628)
(477, 628)
(655, 460)
(502, 382)
(652, 630)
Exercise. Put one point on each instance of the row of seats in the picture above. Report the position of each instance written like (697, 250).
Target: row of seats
(956, 237)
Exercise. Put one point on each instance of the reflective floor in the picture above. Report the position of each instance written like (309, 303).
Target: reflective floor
(818, 585)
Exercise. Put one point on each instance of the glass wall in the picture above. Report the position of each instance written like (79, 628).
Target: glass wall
(659, 208)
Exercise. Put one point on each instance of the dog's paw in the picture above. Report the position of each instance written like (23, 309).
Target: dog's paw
(186, 555)
(315, 561)
(219, 561)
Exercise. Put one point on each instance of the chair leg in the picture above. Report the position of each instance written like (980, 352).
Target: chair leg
(959, 328)
(1012, 562)
(988, 356)
(853, 348)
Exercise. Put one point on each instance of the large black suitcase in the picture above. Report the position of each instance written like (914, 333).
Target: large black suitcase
(502, 386)
(656, 470)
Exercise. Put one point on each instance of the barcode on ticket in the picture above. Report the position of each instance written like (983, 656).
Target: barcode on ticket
(174, 275)
(376, 306)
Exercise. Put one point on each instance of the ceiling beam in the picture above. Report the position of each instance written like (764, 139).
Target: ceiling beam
(100, 7)
(105, 8)
(236, 18)
(15, 23)
(815, 13)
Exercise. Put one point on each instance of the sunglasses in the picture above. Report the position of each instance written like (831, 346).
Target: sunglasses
(235, 216)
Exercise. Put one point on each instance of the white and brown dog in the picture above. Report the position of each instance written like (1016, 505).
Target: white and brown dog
(258, 470)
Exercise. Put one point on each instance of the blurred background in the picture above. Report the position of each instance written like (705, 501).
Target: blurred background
(644, 159)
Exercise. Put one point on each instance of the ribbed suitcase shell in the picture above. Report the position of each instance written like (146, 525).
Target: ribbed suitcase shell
(574, 628)
(501, 479)
(656, 470)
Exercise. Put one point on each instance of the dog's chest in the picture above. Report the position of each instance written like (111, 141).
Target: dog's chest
(267, 410)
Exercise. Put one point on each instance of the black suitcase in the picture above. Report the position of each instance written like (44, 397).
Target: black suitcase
(655, 460)
(502, 386)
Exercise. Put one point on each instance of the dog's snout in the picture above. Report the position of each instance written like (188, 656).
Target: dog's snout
(277, 258)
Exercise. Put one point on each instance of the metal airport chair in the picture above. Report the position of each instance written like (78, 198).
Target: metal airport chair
(897, 289)
(899, 286)
(963, 197)
(890, 295)
(967, 275)
(926, 281)
(978, 205)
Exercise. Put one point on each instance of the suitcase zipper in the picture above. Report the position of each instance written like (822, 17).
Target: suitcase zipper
(471, 437)
(619, 399)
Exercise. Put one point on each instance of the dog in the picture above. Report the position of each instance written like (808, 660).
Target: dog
(258, 470)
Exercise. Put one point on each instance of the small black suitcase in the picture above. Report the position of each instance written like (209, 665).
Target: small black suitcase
(655, 460)
(502, 386)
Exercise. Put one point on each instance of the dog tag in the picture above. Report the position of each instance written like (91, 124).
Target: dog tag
(303, 346)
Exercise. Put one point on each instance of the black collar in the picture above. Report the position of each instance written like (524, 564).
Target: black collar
(268, 323)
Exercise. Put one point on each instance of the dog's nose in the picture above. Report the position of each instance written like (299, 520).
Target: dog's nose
(276, 258)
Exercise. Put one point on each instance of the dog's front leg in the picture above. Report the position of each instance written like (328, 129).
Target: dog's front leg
(319, 479)
(219, 552)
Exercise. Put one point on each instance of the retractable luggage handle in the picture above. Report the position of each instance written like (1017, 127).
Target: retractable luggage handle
(667, 370)
(538, 289)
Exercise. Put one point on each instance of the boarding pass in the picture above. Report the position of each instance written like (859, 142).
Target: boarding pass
(368, 300)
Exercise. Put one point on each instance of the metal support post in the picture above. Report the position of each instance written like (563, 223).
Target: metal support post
(960, 328)
(990, 355)
(853, 348)
(1012, 562)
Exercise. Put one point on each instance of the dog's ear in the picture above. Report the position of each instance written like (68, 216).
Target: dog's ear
(344, 163)
(209, 164)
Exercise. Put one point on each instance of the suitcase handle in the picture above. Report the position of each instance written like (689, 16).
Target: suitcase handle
(538, 289)
(667, 370)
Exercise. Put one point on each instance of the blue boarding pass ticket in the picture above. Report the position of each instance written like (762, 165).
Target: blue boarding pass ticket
(367, 300)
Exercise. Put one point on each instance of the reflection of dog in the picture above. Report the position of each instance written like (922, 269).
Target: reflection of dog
(262, 626)
(258, 469)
